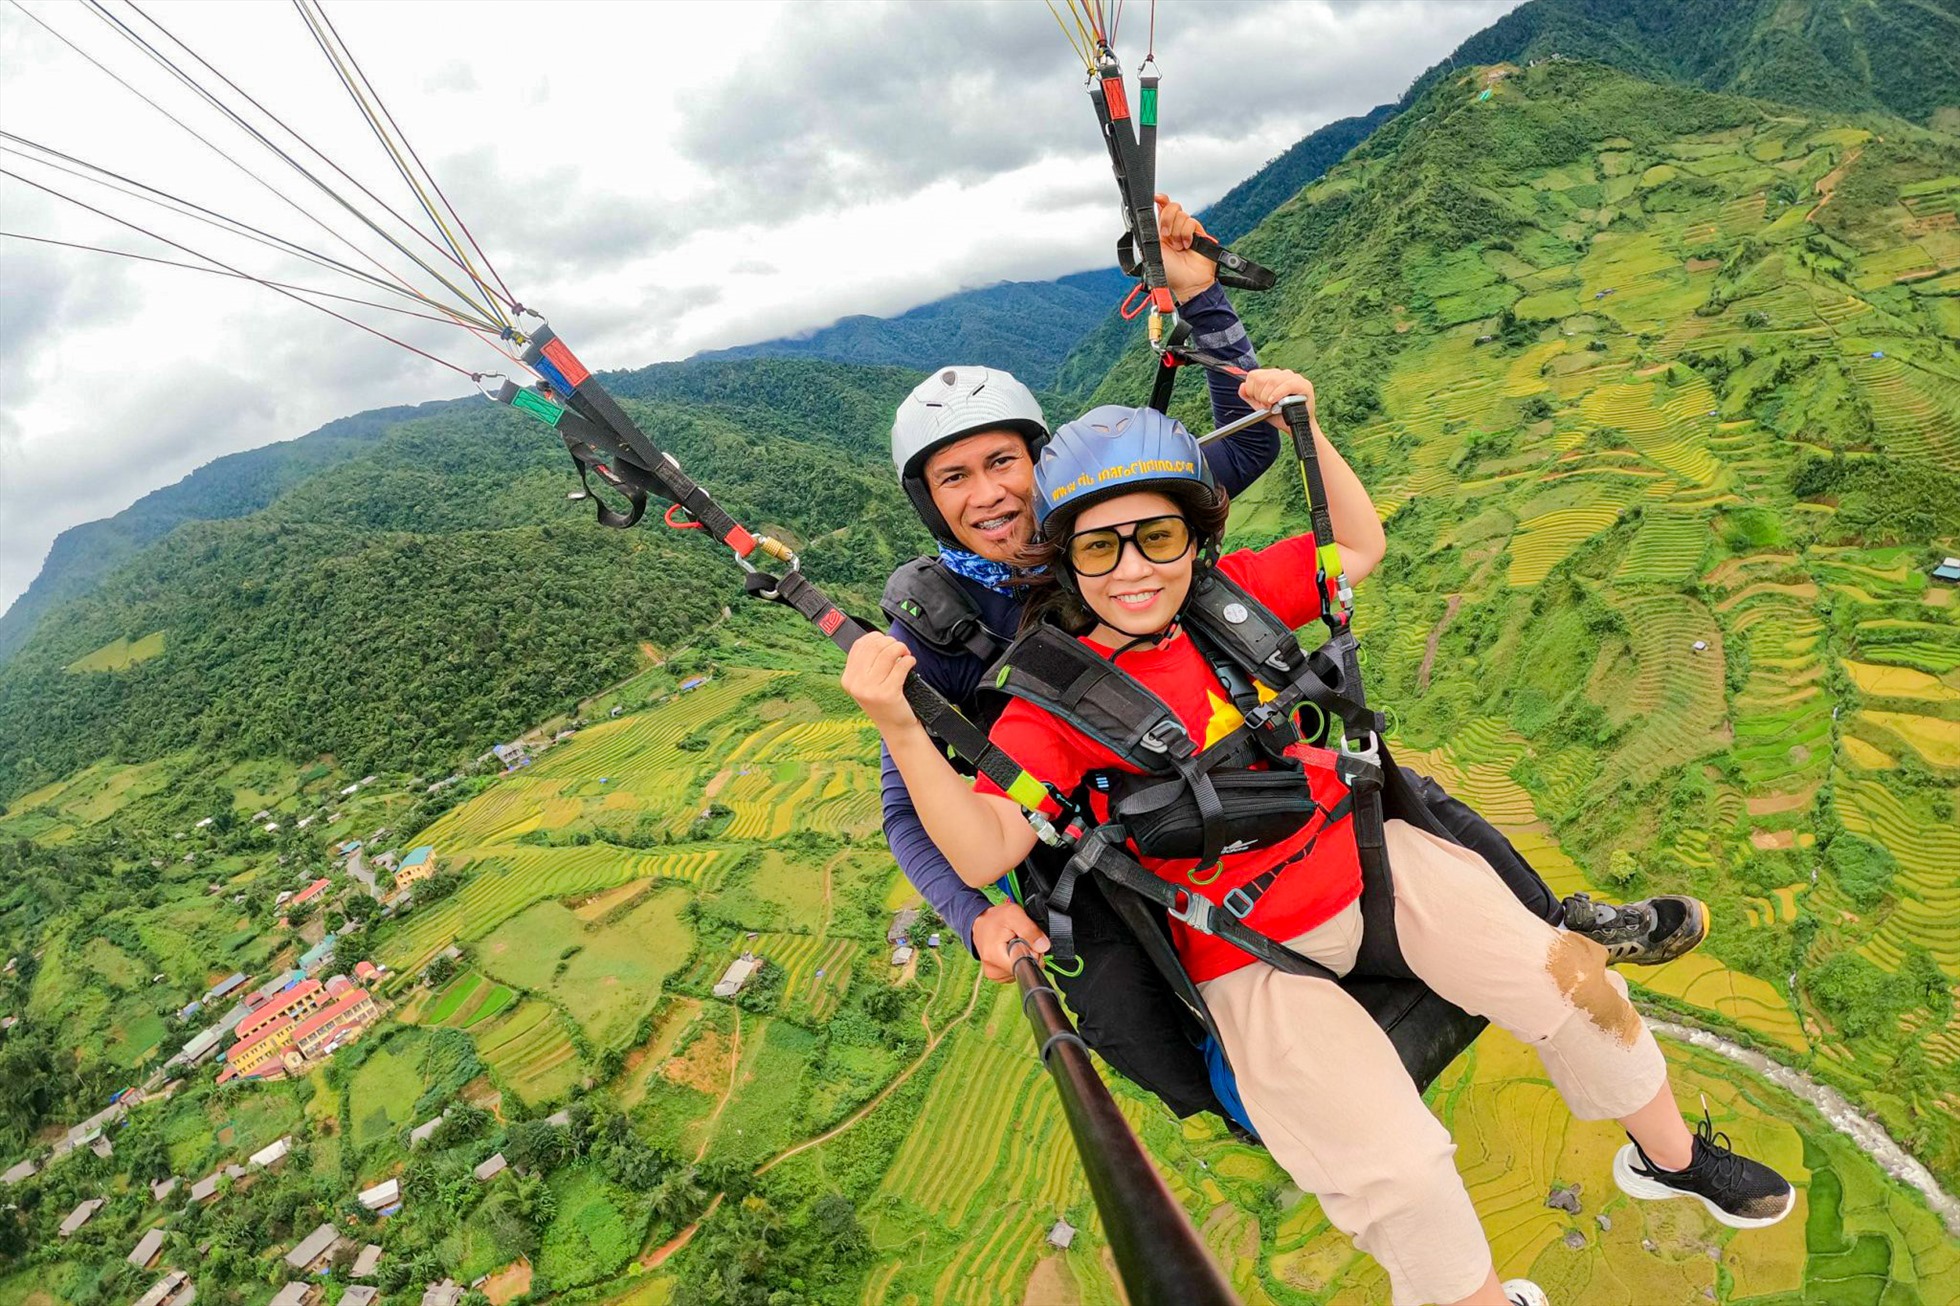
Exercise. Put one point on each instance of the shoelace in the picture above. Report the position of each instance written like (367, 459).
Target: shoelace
(1724, 1166)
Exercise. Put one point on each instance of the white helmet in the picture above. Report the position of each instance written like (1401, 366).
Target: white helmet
(951, 404)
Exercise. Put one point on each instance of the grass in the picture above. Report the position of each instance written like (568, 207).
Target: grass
(384, 1090)
(120, 654)
(614, 975)
(590, 1238)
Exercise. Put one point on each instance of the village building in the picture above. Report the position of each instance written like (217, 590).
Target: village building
(385, 1197)
(901, 928)
(1061, 1235)
(420, 1134)
(102, 1147)
(561, 1118)
(206, 1188)
(1948, 571)
(165, 1291)
(316, 957)
(313, 1249)
(306, 1023)
(419, 864)
(272, 1153)
(737, 975)
(225, 986)
(147, 1249)
(162, 1188)
(297, 1293)
(302, 999)
(446, 1293)
(360, 1294)
(199, 1049)
(491, 1168)
(902, 954)
(80, 1216)
(20, 1171)
(325, 1029)
(366, 970)
(367, 1262)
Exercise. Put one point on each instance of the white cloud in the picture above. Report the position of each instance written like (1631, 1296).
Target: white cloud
(659, 178)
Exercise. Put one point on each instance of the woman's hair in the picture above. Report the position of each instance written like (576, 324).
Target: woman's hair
(1042, 561)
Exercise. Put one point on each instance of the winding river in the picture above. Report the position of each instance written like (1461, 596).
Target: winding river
(1834, 1107)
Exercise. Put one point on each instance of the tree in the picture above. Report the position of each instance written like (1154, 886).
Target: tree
(680, 1196)
(532, 1200)
(535, 1145)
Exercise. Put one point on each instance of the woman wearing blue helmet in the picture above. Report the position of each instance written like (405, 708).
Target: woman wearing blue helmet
(1129, 524)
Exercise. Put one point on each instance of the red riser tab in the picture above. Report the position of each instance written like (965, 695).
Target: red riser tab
(564, 360)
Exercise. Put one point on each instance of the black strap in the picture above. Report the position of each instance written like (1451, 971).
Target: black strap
(1242, 900)
(1235, 270)
(1099, 851)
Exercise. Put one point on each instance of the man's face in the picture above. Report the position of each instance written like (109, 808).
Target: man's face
(983, 486)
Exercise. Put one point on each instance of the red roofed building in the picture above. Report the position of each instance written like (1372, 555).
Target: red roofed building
(338, 985)
(353, 1009)
(366, 970)
(259, 1055)
(299, 1000)
(310, 892)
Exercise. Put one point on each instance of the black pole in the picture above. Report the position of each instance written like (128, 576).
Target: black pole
(1158, 1253)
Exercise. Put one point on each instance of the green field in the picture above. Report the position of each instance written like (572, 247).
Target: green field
(614, 975)
(121, 654)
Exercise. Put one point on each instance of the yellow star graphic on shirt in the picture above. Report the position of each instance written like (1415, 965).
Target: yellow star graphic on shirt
(1226, 717)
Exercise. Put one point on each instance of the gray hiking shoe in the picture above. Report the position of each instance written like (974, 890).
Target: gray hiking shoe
(1644, 933)
(1523, 1292)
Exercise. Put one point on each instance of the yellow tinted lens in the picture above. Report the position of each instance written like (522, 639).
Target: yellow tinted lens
(1163, 539)
(1094, 552)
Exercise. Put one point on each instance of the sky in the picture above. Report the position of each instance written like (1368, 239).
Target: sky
(657, 179)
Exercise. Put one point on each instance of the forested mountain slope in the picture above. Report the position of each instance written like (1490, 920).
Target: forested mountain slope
(231, 486)
(1660, 396)
(413, 604)
(1840, 55)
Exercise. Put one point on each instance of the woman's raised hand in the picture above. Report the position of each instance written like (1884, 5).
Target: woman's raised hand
(874, 675)
(1264, 387)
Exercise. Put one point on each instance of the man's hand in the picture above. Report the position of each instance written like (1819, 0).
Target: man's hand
(995, 929)
(1265, 386)
(874, 674)
(1188, 274)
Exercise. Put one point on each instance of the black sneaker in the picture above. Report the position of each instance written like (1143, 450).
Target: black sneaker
(1645, 933)
(1741, 1193)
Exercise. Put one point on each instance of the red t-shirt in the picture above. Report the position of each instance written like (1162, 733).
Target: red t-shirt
(1306, 894)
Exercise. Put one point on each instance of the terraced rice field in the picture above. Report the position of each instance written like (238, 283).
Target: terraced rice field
(1668, 426)
(1675, 699)
(531, 1051)
(1666, 550)
(1928, 850)
(509, 879)
(801, 956)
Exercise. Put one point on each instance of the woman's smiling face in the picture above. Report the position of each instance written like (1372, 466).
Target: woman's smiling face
(1136, 596)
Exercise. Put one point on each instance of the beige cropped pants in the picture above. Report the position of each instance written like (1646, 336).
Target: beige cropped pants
(1331, 1100)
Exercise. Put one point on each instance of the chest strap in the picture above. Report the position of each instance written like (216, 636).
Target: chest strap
(923, 597)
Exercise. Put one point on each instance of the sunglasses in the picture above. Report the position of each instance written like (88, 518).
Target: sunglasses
(1158, 539)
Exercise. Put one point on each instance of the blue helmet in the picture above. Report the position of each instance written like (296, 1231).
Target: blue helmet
(1117, 450)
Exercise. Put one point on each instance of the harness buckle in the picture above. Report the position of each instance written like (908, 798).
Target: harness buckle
(1239, 903)
(1196, 911)
(1369, 756)
(1164, 736)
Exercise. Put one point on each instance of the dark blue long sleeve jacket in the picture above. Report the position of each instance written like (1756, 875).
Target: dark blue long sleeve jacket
(1236, 461)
